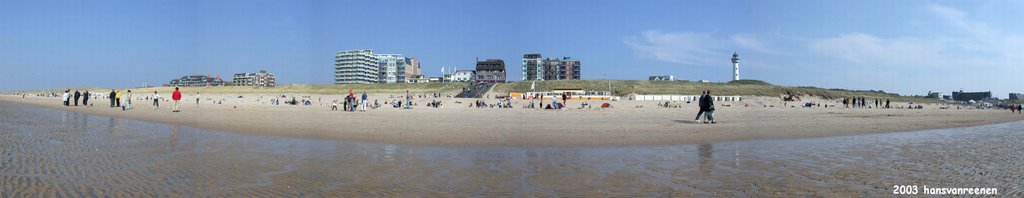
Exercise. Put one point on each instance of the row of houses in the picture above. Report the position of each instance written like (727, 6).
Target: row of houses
(368, 67)
(255, 79)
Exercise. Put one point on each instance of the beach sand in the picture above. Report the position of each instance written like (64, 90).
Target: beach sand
(459, 125)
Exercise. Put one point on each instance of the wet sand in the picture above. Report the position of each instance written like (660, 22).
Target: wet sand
(459, 125)
(60, 153)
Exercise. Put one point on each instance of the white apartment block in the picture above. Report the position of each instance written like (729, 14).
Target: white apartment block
(356, 67)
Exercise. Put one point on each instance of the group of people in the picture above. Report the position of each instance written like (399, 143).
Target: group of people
(1018, 108)
(69, 97)
(351, 102)
(116, 96)
(862, 103)
(707, 107)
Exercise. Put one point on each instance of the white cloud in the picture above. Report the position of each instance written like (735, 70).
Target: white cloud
(959, 20)
(687, 48)
(869, 50)
(693, 48)
(751, 42)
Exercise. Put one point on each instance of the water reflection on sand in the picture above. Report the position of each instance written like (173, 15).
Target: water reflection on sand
(86, 155)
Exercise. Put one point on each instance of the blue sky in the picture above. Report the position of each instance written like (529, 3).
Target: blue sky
(908, 47)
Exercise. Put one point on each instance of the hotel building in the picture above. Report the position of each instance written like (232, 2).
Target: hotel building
(258, 79)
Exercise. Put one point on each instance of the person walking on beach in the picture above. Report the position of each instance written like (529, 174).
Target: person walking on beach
(701, 106)
(127, 101)
(66, 97)
(117, 97)
(78, 95)
(176, 96)
(408, 100)
(345, 104)
(197, 98)
(156, 100)
(85, 98)
(362, 103)
(709, 108)
(111, 96)
(886, 103)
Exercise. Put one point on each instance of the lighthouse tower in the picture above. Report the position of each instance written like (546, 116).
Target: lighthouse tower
(735, 66)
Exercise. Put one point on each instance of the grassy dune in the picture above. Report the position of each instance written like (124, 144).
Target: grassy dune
(743, 87)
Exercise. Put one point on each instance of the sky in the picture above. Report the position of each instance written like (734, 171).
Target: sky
(905, 47)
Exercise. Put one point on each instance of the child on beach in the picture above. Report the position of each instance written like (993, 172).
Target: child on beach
(156, 100)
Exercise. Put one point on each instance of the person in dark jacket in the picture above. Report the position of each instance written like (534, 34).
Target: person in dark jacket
(78, 95)
(111, 96)
(709, 107)
(85, 98)
(701, 106)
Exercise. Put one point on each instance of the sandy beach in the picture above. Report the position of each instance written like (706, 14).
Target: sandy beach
(457, 124)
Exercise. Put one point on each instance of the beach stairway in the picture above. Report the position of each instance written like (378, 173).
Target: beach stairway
(475, 90)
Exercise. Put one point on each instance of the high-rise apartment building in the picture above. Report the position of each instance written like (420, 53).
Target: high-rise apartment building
(536, 67)
(356, 67)
(532, 67)
(569, 69)
(392, 68)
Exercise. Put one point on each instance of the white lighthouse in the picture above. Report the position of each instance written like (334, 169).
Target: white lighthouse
(735, 66)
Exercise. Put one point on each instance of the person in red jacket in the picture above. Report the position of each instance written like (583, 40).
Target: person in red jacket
(176, 96)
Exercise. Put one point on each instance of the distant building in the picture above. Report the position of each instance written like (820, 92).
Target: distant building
(490, 70)
(419, 79)
(933, 95)
(665, 77)
(392, 68)
(967, 96)
(535, 67)
(569, 69)
(532, 67)
(356, 67)
(412, 71)
(197, 81)
(1016, 96)
(259, 79)
(463, 76)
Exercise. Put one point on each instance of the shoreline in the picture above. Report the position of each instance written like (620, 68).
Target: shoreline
(456, 125)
